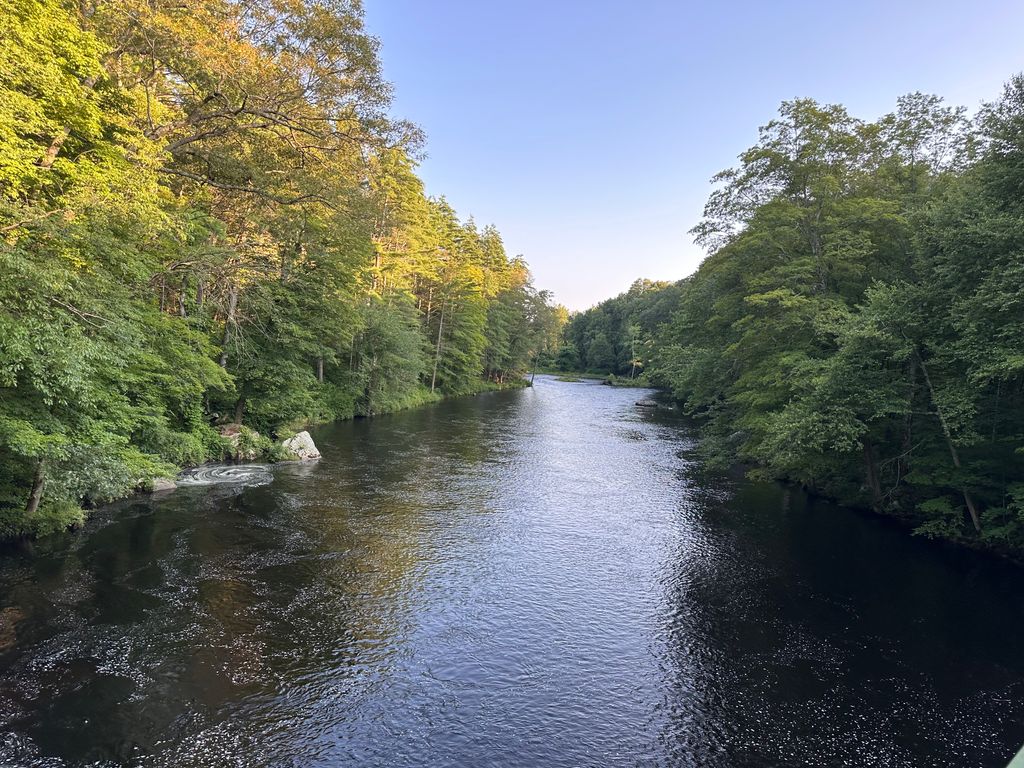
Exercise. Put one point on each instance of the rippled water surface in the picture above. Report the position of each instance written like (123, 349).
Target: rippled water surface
(535, 578)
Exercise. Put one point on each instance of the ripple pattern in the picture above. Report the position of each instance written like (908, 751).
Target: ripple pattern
(234, 474)
(546, 577)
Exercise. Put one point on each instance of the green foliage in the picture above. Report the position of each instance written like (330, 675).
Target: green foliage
(857, 326)
(390, 356)
(619, 335)
(53, 516)
(943, 519)
(202, 223)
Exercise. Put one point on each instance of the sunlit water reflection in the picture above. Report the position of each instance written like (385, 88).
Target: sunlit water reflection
(535, 578)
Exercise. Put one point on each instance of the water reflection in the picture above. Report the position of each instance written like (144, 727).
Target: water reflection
(543, 577)
(825, 638)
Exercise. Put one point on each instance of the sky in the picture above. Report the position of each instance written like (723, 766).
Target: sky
(588, 131)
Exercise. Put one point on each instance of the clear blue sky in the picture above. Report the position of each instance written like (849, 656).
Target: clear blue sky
(587, 130)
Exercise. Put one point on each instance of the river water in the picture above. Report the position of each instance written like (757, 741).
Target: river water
(545, 577)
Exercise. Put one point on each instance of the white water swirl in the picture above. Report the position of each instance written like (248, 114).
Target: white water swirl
(239, 474)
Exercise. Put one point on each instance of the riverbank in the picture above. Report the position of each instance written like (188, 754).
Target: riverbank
(230, 443)
(909, 519)
(605, 378)
(551, 562)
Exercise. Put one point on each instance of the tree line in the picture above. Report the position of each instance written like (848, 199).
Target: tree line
(616, 336)
(207, 215)
(858, 326)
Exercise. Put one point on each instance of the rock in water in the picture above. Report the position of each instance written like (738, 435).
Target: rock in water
(161, 484)
(302, 446)
(647, 403)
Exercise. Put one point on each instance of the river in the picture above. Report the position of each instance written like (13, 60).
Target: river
(545, 577)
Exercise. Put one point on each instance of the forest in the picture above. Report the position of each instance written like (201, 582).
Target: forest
(207, 215)
(858, 325)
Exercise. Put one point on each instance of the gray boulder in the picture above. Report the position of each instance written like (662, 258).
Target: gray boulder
(161, 484)
(302, 446)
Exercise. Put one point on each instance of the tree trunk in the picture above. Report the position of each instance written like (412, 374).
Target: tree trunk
(975, 517)
(287, 260)
(320, 369)
(239, 409)
(903, 463)
(46, 161)
(181, 297)
(51, 151)
(36, 494)
(437, 350)
(229, 321)
(871, 473)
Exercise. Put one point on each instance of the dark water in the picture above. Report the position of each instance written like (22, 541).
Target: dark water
(535, 578)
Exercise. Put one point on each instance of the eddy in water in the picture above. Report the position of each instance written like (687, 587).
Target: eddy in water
(236, 474)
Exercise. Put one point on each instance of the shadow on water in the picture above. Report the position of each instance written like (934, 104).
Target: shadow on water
(827, 637)
(538, 577)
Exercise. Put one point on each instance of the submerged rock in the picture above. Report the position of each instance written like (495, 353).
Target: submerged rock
(302, 446)
(647, 403)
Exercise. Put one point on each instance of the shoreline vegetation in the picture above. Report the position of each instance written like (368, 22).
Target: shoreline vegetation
(209, 217)
(609, 379)
(239, 444)
(856, 329)
(243, 445)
